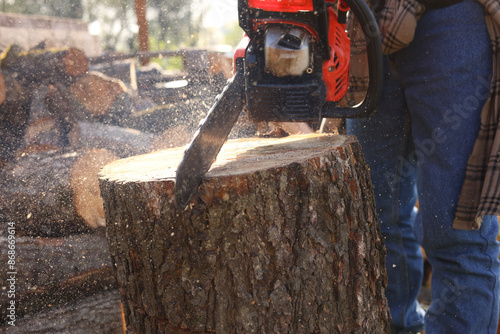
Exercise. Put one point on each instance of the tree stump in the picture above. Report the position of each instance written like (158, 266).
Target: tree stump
(281, 237)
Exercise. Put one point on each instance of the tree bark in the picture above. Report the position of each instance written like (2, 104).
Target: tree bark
(281, 237)
(53, 194)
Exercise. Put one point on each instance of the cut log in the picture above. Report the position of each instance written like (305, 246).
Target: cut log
(50, 271)
(85, 187)
(123, 142)
(36, 65)
(101, 95)
(281, 237)
(14, 113)
(61, 103)
(44, 131)
(99, 313)
(54, 124)
(220, 63)
(54, 194)
(125, 70)
(16, 97)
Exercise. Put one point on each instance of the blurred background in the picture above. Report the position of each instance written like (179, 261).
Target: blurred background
(172, 24)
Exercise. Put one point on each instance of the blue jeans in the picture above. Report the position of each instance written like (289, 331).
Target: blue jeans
(417, 145)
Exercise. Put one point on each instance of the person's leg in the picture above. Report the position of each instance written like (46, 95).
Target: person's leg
(385, 139)
(445, 72)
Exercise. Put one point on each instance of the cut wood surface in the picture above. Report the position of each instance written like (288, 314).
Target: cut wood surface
(97, 92)
(63, 105)
(85, 185)
(281, 237)
(54, 194)
(52, 271)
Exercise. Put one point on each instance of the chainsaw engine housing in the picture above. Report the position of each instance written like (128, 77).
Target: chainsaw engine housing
(288, 56)
(296, 59)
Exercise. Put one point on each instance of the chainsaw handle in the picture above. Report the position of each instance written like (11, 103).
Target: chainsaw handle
(374, 54)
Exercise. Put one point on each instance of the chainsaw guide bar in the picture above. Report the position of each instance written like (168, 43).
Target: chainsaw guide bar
(209, 138)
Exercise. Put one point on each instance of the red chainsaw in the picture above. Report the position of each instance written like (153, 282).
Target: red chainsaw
(292, 65)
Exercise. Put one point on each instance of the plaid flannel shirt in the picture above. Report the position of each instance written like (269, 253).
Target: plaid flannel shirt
(480, 194)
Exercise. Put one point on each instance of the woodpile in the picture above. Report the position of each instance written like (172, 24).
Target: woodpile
(55, 271)
(100, 312)
(58, 117)
(60, 124)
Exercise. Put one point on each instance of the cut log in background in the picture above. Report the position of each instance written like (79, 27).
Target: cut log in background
(44, 130)
(14, 114)
(50, 105)
(281, 237)
(55, 65)
(53, 271)
(54, 194)
(124, 142)
(102, 96)
(99, 313)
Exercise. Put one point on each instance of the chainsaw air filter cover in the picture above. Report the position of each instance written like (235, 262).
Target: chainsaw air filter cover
(287, 51)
